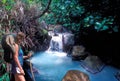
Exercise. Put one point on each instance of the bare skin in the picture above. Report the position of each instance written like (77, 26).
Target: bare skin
(18, 77)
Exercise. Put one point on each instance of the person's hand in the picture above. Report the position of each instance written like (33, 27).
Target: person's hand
(22, 72)
(30, 54)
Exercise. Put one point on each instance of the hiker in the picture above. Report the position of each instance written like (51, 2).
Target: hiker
(16, 60)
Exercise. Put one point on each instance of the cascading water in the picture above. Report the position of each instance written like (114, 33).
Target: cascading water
(52, 65)
(56, 43)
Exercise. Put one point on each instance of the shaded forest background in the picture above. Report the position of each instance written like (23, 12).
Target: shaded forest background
(95, 23)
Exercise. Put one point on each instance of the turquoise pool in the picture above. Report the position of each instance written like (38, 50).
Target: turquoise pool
(52, 66)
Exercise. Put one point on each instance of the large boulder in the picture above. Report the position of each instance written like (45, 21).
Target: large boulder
(75, 75)
(92, 64)
(78, 52)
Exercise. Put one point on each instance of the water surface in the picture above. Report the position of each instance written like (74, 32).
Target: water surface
(52, 66)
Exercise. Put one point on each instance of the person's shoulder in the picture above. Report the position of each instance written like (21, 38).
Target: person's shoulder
(16, 46)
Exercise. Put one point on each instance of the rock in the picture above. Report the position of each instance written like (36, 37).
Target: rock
(92, 64)
(75, 75)
(78, 52)
(58, 29)
(68, 42)
(68, 39)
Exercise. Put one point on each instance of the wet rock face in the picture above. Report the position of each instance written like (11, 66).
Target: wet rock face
(68, 39)
(75, 75)
(68, 42)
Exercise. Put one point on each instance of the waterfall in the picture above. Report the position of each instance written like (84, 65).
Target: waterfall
(56, 43)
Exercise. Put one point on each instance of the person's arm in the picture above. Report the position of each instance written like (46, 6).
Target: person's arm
(25, 57)
(28, 55)
(15, 57)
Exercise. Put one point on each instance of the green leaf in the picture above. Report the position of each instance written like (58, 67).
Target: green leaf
(105, 27)
(4, 1)
(30, 1)
(8, 7)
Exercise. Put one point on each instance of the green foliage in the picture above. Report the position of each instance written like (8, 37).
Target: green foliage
(74, 15)
(61, 11)
(99, 23)
(4, 1)
(8, 4)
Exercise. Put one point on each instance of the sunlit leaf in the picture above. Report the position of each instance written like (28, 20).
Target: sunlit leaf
(4, 1)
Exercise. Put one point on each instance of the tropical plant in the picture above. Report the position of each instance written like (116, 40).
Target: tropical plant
(78, 14)
(17, 16)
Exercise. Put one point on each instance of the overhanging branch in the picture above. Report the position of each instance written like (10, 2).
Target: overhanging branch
(38, 16)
